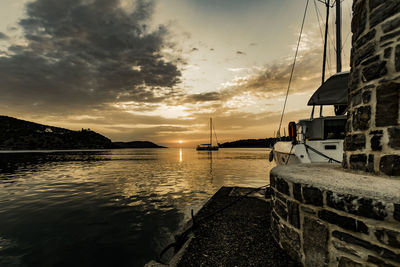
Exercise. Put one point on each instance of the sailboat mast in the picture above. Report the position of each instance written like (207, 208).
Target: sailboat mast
(327, 3)
(338, 37)
(210, 131)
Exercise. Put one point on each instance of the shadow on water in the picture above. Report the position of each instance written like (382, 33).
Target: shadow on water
(88, 233)
(13, 161)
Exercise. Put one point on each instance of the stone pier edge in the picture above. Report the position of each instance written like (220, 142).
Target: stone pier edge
(320, 227)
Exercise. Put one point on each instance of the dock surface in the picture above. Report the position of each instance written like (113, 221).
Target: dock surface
(237, 236)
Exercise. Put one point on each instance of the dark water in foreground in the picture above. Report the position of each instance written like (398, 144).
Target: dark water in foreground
(109, 208)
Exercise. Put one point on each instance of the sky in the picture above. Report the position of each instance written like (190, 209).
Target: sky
(157, 70)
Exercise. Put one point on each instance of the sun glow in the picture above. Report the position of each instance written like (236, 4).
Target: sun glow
(180, 141)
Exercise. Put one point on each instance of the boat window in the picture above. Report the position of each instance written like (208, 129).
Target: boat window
(335, 129)
(330, 147)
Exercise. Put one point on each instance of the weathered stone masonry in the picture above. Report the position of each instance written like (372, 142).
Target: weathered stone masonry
(322, 225)
(323, 215)
(373, 130)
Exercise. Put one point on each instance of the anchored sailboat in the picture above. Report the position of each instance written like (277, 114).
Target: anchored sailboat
(209, 147)
(320, 139)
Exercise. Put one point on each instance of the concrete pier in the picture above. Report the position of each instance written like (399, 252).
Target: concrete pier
(237, 236)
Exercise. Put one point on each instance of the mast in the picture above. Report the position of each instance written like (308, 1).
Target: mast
(338, 37)
(210, 131)
(327, 3)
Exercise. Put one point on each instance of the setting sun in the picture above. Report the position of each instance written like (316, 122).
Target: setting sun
(180, 141)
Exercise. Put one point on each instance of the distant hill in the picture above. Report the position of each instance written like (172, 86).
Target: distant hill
(249, 143)
(18, 134)
(136, 144)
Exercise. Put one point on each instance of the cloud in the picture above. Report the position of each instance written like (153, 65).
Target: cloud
(88, 53)
(3, 36)
(203, 97)
(270, 80)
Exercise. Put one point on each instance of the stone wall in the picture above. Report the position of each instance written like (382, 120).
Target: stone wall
(320, 222)
(372, 143)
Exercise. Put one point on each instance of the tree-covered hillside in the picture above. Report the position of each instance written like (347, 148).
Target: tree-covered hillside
(18, 134)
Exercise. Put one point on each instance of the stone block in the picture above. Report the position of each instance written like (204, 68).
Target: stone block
(290, 241)
(376, 144)
(346, 262)
(370, 60)
(363, 53)
(366, 97)
(315, 242)
(374, 3)
(348, 125)
(384, 253)
(388, 237)
(378, 262)
(365, 38)
(280, 209)
(391, 25)
(382, 12)
(313, 196)
(355, 99)
(293, 214)
(282, 186)
(354, 79)
(345, 248)
(387, 44)
(280, 197)
(308, 210)
(387, 106)
(390, 165)
(396, 212)
(387, 52)
(297, 192)
(375, 71)
(364, 207)
(394, 137)
(359, 20)
(358, 162)
(354, 142)
(343, 221)
(389, 36)
(379, 132)
(361, 118)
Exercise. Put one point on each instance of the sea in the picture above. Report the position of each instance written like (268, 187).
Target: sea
(110, 207)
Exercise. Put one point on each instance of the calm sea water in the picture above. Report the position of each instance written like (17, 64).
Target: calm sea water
(113, 207)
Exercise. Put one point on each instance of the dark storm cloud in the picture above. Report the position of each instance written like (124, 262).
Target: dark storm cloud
(3, 36)
(204, 97)
(87, 52)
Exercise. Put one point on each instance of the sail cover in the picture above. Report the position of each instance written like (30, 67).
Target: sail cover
(333, 91)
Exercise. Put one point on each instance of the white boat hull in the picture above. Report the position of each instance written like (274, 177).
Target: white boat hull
(327, 151)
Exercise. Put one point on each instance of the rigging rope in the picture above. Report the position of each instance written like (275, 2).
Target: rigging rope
(319, 15)
(294, 64)
(215, 134)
